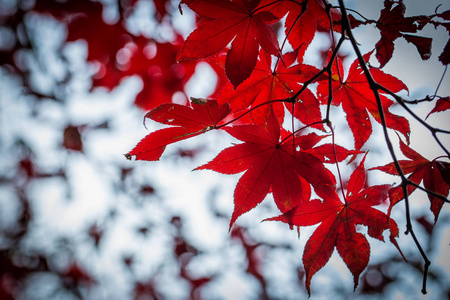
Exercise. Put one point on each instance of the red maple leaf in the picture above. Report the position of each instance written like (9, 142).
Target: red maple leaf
(442, 104)
(392, 23)
(356, 98)
(243, 22)
(188, 122)
(339, 223)
(265, 85)
(270, 163)
(434, 174)
(304, 19)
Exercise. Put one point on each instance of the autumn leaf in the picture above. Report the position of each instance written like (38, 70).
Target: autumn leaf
(435, 176)
(393, 24)
(356, 98)
(303, 20)
(338, 225)
(442, 104)
(265, 85)
(188, 122)
(270, 164)
(245, 23)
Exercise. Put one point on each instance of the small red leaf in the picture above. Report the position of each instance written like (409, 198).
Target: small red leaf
(442, 104)
(202, 117)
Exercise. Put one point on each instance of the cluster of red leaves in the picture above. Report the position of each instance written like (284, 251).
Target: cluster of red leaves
(338, 224)
(239, 38)
(251, 107)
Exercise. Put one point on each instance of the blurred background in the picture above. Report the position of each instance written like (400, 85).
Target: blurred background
(79, 221)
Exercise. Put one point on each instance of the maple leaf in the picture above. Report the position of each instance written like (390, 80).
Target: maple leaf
(356, 98)
(265, 85)
(269, 163)
(303, 20)
(243, 22)
(338, 225)
(434, 174)
(442, 104)
(188, 122)
(392, 23)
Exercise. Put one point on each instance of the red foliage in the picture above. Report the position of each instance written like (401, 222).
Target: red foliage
(271, 164)
(338, 224)
(244, 22)
(356, 98)
(263, 81)
(202, 117)
(275, 159)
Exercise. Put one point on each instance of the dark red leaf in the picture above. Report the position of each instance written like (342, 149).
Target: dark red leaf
(423, 44)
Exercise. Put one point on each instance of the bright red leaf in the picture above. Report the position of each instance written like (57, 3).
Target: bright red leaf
(265, 85)
(304, 19)
(188, 122)
(338, 225)
(356, 98)
(270, 164)
(434, 174)
(243, 22)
